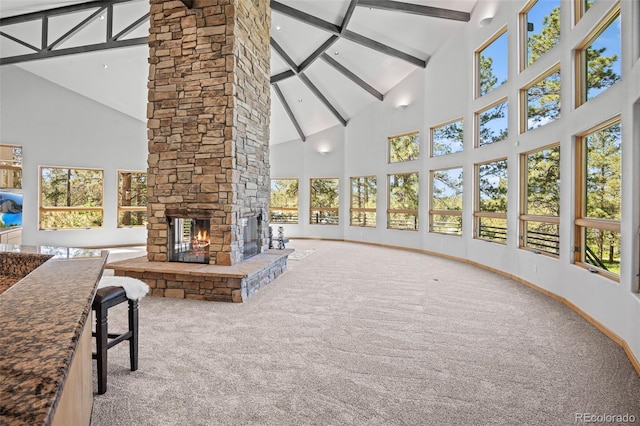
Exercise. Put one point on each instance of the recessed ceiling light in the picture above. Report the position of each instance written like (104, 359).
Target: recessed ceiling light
(102, 17)
(336, 53)
(278, 28)
(105, 66)
(300, 100)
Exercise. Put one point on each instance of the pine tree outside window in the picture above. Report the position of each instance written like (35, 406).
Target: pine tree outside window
(491, 201)
(132, 199)
(446, 201)
(598, 199)
(364, 192)
(402, 212)
(541, 101)
(405, 147)
(492, 123)
(598, 59)
(10, 166)
(540, 200)
(540, 27)
(71, 198)
(491, 63)
(283, 206)
(324, 201)
(447, 138)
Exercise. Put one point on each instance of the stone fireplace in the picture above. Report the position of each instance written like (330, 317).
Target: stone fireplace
(208, 139)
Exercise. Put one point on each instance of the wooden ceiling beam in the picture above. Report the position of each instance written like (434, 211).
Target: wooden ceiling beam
(416, 9)
(351, 76)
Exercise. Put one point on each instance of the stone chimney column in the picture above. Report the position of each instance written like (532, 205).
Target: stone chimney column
(208, 120)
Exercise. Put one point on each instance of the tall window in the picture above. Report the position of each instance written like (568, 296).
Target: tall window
(404, 147)
(446, 201)
(283, 207)
(540, 202)
(447, 138)
(492, 123)
(324, 201)
(132, 198)
(491, 203)
(403, 201)
(10, 166)
(581, 7)
(599, 183)
(491, 64)
(70, 198)
(540, 23)
(598, 59)
(364, 192)
(541, 101)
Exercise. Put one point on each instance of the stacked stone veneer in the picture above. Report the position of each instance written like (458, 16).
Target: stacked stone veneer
(208, 284)
(208, 120)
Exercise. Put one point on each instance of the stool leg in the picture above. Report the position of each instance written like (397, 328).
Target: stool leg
(133, 328)
(101, 348)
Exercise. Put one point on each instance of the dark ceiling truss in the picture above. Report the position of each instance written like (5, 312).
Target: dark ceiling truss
(417, 9)
(287, 109)
(48, 49)
(351, 76)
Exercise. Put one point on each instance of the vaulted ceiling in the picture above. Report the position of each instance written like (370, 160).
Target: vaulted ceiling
(330, 59)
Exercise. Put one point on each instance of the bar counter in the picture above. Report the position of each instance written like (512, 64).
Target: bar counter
(45, 338)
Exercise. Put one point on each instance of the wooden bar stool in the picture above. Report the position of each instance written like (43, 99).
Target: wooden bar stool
(111, 293)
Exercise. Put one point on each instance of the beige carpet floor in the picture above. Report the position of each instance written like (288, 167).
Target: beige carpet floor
(362, 335)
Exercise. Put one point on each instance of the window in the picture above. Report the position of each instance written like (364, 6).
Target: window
(492, 123)
(540, 22)
(403, 202)
(405, 147)
(491, 64)
(363, 201)
(324, 202)
(491, 201)
(581, 7)
(541, 101)
(447, 138)
(10, 166)
(70, 198)
(540, 202)
(598, 59)
(283, 206)
(132, 198)
(446, 201)
(598, 199)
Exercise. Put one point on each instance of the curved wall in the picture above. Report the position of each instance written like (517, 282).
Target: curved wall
(443, 92)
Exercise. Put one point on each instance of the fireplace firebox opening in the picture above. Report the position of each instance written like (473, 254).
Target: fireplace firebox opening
(189, 240)
(251, 236)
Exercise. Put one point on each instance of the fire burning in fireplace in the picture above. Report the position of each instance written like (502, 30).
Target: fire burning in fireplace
(189, 240)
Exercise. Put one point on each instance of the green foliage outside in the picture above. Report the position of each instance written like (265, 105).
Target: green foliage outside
(284, 201)
(404, 148)
(492, 125)
(492, 186)
(132, 193)
(364, 193)
(403, 195)
(447, 189)
(543, 179)
(324, 195)
(447, 139)
(75, 188)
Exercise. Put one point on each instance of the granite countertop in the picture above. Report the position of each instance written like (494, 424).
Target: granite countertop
(41, 319)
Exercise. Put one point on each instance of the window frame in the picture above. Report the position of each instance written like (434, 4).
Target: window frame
(580, 97)
(365, 210)
(389, 146)
(524, 99)
(476, 62)
(525, 216)
(477, 213)
(296, 208)
(477, 121)
(42, 209)
(523, 55)
(131, 209)
(13, 167)
(439, 126)
(413, 212)
(581, 222)
(447, 212)
(312, 208)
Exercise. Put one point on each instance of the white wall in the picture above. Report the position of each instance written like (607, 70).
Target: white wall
(57, 127)
(443, 92)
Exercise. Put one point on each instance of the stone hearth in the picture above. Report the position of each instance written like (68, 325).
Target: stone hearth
(206, 282)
